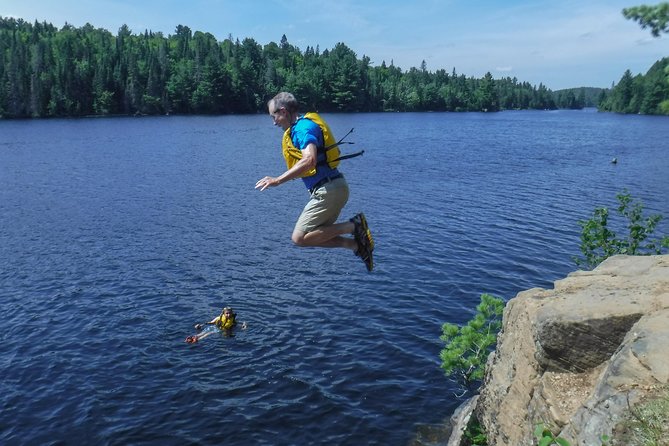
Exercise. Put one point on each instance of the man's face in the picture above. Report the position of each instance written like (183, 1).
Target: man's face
(280, 116)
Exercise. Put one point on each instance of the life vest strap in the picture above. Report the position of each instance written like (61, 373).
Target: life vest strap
(351, 155)
(338, 143)
(341, 141)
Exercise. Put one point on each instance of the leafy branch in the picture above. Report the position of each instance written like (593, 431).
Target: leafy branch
(467, 347)
(654, 17)
(598, 242)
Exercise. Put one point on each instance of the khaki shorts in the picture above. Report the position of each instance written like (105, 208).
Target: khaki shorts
(324, 207)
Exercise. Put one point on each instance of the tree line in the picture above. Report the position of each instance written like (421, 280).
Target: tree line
(645, 94)
(50, 72)
(649, 93)
(46, 71)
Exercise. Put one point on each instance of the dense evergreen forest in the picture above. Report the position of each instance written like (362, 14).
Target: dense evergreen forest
(577, 98)
(47, 72)
(645, 94)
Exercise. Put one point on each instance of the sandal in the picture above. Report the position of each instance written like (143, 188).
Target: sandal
(363, 236)
(361, 232)
(366, 256)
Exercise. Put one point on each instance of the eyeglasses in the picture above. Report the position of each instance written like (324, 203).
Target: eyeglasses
(275, 113)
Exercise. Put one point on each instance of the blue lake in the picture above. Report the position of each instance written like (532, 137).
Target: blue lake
(117, 235)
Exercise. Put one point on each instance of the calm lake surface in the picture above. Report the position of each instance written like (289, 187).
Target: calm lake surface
(117, 235)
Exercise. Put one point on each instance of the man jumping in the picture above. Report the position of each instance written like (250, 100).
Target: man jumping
(311, 153)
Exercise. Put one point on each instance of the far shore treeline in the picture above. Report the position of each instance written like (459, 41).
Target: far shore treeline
(51, 72)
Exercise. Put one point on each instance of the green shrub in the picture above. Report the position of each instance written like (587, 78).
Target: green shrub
(546, 437)
(467, 348)
(475, 435)
(598, 242)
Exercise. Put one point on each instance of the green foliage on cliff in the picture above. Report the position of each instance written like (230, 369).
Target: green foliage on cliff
(599, 241)
(474, 434)
(467, 347)
(546, 437)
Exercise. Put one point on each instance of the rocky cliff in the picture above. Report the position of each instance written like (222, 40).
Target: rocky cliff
(578, 358)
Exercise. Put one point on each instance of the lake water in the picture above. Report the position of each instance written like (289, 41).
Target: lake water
(117, 235)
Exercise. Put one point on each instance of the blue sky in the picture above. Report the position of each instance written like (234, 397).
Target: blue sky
(560, 43)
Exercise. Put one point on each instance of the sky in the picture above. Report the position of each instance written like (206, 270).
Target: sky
(557, 43)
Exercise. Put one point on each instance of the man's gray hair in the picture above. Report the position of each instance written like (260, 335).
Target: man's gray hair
(286, 100)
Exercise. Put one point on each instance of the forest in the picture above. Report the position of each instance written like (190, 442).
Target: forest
(51, 72)
(643, 94)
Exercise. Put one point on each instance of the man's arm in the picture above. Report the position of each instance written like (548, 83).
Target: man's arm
(308, 162)
(211, 322)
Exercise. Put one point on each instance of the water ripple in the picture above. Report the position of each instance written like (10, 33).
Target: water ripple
(116, 236)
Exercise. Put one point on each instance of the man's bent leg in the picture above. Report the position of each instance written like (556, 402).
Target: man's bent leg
(329, 236)
(316, 225)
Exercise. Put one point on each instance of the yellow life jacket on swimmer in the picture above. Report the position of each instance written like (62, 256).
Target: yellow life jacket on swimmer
(292, 154)
(226, 323)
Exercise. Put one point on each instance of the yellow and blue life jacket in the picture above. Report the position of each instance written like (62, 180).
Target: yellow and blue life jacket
(330, 146)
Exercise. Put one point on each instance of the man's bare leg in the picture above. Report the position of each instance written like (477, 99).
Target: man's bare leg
(327, 237)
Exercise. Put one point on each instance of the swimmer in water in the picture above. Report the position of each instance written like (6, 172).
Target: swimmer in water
(225, 322)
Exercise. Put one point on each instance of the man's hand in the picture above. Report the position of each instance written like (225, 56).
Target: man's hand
(267, 182)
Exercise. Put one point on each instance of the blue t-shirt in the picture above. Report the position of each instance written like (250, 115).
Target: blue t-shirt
(303, 133)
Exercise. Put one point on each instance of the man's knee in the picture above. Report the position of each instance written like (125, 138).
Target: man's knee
(298, 238)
